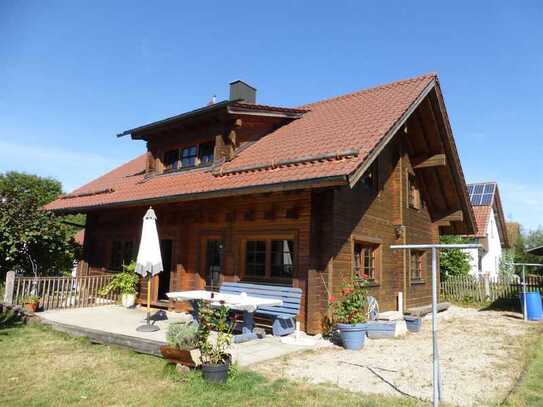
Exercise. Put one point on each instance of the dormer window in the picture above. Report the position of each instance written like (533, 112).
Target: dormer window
(205, 153)
(171, 160)
(188, 157)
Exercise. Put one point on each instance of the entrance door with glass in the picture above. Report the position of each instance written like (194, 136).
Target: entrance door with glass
(213, 263)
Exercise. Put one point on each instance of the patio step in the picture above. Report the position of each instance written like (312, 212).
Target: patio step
(140, 345)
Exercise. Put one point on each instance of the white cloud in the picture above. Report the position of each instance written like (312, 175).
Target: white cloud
(72, 168)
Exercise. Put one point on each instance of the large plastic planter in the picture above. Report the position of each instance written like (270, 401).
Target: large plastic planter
(533, 305)
(413, 323)
(353, 336)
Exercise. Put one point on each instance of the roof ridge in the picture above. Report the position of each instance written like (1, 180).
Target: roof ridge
(371, 89)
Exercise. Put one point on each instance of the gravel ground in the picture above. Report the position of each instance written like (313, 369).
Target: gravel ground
(481, 354)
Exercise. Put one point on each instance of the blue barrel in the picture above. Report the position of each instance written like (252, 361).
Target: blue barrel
(533, 305)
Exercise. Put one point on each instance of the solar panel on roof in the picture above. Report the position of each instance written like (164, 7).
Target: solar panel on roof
(481, 194)
(476, 199)
(486, 199)
(489, 188)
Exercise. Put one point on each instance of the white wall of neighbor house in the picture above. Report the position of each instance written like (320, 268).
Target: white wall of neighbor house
(487, 260)
(474, 259)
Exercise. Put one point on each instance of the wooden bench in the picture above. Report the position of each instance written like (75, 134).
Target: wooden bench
(283, 317)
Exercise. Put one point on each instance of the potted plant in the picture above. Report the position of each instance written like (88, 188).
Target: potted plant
(182, 344)
(215, 359)
(31, 303)
(349, 313)
(127, 283)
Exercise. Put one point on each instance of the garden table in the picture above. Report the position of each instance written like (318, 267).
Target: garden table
(242, 302)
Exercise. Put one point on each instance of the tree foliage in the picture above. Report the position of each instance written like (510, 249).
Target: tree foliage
(527, 240)
(454, 262)
(32, 240)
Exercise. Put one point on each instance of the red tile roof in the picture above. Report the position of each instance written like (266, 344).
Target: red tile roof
(79, 237)
(358, 121)
(482, 217)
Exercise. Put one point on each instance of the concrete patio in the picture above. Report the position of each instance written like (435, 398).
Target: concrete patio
(115, 325)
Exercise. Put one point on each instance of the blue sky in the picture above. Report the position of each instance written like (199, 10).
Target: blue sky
(74, 73)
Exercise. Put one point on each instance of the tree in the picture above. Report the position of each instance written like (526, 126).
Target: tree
(528, 240)
(454, 262)
(32, 240)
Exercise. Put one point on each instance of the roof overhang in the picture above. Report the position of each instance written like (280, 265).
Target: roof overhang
(320, 182)
(180, 117)
(230, 107)
(432, 94)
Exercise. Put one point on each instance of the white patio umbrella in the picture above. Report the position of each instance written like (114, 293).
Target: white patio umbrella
(149, 261)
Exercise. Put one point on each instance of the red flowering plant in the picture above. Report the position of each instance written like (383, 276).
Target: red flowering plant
(352, 306)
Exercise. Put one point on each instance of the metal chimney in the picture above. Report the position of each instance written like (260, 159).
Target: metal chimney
(243, 91)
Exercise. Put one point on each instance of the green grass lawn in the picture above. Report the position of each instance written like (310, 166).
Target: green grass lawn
(529, 391)
(41, 367)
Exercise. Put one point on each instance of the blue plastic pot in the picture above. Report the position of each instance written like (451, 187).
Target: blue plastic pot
(353, 336)
(413, 323)
(533, 305)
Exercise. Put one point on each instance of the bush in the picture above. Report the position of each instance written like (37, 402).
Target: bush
(352, 307)
(126, 281)
(31, 299)
(454, 262)
(216, 319)
(182, 336)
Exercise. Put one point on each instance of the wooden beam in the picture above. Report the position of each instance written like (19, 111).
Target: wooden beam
(457, 216)
(437, 160)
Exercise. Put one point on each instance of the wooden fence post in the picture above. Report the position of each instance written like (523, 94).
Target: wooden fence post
(486, 278)
(10, 285)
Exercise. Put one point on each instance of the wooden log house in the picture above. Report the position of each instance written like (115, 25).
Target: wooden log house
(302, 197)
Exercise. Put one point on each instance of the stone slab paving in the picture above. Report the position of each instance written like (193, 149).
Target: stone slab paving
(119, 324)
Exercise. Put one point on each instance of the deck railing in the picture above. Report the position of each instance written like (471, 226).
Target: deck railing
(60, 292)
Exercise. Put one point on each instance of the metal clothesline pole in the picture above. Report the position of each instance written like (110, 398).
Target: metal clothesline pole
(437, 393)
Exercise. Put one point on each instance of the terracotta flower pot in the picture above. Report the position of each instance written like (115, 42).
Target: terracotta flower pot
(31, 306)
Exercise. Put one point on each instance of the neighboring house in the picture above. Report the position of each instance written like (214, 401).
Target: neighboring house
(492, 232)
(301, 197)
(79, 237)
(513, 233)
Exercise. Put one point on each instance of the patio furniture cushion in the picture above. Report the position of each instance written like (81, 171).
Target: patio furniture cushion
(283, 317)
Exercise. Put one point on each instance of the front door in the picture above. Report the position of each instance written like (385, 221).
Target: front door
(164, 276)
(213, 263)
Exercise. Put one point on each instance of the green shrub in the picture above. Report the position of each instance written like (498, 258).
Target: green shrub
(352, 306)
(126, 281)
(214, 319)
(454, 262)
(182, 335)
(31, 299)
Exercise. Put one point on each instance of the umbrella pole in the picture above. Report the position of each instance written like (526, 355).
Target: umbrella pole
(148, 301)
(148, 327)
